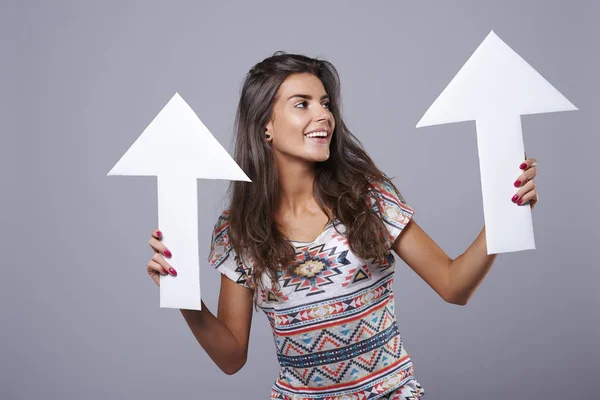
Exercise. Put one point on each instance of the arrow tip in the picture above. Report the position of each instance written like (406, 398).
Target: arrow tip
(111, 171)
(516, 88)
(114, 171)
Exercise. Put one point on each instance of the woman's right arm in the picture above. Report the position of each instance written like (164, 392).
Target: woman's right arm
(224, 337)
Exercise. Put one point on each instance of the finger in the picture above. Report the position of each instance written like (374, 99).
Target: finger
(156, 234)
(528, 163)
(154, 266)
(528, 198)
(159, 247)
(158, 258)
(526, 188)
(533, 202)
(526, 176)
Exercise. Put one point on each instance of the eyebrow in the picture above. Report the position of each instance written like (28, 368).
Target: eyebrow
(307, 96)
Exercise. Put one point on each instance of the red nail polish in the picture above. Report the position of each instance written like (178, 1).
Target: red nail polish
(520, 201)
(517, 183)
(523, 166)
(515, 197)
(167, 253)
(158, 233)
(172, 271)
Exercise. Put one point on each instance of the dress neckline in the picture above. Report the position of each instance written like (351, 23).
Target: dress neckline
(325, 229)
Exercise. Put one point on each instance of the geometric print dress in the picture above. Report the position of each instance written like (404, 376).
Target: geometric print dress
(333, 321)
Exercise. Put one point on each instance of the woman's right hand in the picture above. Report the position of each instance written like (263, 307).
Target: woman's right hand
(157, 264)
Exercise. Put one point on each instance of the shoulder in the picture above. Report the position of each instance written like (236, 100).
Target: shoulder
(387, 203)
(383, 192)
(222, 220)
(223, 257)
(220, 233)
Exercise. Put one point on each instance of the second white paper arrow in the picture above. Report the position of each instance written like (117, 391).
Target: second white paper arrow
(178, 149)
(494, 88)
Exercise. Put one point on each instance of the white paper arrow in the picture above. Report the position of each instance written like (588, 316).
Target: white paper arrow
(178, 149)
(494, 88)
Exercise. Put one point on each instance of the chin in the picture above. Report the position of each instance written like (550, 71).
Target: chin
(319, 157)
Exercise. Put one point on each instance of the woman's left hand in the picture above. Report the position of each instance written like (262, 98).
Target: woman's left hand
(526, 184)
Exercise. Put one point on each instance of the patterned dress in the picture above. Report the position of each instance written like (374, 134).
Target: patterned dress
(333, 320)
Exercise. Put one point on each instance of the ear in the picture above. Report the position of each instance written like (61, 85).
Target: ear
(269, 131)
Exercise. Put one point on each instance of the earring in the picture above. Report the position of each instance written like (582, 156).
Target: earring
(267, 136)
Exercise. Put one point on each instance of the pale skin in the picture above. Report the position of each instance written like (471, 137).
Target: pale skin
(225, 337)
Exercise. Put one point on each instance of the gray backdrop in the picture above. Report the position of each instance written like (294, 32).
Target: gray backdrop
(81, 80)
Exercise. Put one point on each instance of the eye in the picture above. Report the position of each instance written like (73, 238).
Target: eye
(327, 105)
(297, 104)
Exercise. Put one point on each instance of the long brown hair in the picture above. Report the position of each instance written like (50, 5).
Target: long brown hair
(341, 182)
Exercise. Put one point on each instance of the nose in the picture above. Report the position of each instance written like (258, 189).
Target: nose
(322, 115)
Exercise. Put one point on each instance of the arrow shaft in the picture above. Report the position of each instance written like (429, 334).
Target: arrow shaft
(500, 142)
(178, 221)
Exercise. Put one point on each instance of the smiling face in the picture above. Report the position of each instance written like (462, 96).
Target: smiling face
(302, 124)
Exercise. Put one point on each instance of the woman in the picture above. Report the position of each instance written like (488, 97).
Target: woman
(309, 242)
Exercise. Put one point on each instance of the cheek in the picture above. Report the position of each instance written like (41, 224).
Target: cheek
(293, 126)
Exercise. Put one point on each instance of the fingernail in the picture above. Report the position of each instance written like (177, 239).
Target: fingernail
(158, 233)
(523, 166)
(517, 183)
(515, 197)
(172, 271)
(167, 253)
(520, 201)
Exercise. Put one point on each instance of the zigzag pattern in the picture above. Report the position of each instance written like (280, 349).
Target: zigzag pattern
(410, 390)
(307, 316)
(384, 263)
(339, 335)
(343, 353)
(407, 392)
(315, 249)
(396, 381)
(352, 369)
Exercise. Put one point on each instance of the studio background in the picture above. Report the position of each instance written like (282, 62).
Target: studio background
(81, 80)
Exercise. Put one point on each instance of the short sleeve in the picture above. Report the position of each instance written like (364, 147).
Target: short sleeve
(222, 256)
(390, 207)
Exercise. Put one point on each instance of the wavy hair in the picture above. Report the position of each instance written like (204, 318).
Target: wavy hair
(341, 182)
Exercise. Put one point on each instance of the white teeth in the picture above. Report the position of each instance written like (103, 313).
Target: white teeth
(317, 134)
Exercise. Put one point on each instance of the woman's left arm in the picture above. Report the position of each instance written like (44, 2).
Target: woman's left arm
(456, 280)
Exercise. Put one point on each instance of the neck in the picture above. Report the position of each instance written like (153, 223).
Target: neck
(296, 179)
